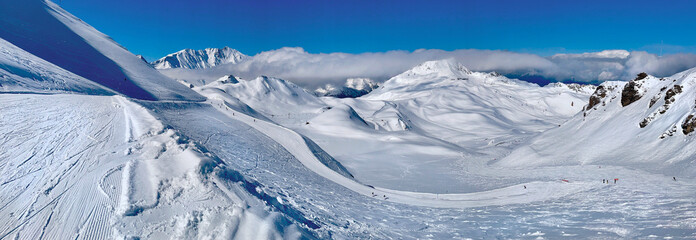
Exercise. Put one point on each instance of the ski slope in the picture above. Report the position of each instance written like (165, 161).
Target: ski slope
(96, 167)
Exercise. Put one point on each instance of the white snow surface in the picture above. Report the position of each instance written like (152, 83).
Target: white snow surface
(102, 167)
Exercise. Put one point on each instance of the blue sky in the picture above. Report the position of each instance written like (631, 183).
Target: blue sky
(155, 28)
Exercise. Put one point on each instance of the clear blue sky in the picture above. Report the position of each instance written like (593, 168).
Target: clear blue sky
(155, 28)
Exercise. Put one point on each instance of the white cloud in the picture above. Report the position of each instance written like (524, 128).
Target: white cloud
(313, 70)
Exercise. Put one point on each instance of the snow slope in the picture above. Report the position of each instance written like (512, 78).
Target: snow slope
(54, 35)
(195, 59)
(648, 133)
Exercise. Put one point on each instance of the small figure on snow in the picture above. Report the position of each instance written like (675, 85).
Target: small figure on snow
(615, 179)
(525, 186)
(674, 178)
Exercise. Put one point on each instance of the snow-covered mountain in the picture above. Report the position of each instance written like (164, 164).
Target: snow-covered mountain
(354, 87)
(97, 144)
(196, 59)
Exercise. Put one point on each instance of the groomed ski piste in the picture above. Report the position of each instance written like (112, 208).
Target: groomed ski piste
(134, 154)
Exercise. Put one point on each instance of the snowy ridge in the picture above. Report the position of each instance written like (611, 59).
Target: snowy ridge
(197, 59)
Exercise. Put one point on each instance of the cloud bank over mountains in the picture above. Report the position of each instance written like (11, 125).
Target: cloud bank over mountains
(312, 70)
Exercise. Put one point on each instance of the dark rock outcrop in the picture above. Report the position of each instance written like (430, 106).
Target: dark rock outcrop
(631, 92)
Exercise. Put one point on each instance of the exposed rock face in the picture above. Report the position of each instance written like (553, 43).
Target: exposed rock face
(596, 97)
(632, 90)
(689, 124)
(641, 76)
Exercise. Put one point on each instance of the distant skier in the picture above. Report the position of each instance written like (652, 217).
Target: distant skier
(525, 186)
(602, 180)
(674, 178)
(615, 179)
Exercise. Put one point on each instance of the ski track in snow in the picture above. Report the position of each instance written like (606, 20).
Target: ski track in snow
(66, 172)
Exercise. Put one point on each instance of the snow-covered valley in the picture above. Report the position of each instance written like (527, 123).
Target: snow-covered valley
(96, 143)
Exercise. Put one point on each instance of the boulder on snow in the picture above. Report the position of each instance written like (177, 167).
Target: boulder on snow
(596, 97)
(689, 124)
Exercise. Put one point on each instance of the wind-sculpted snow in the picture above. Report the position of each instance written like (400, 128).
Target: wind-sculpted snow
(48, 32)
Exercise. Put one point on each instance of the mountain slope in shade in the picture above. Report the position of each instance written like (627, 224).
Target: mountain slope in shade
(45, 30)
(21, 71)
(646, 123)
(196, 59)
